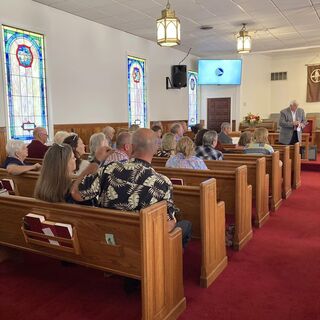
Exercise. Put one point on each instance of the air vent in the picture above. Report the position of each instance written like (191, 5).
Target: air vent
(275, 76)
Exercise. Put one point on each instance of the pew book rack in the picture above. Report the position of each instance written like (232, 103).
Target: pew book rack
(32, 237)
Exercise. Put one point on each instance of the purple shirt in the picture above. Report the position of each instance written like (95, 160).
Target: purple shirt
(180, 161)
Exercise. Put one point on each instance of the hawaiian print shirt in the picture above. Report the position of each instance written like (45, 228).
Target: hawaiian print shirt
(208, 153)
(129, 186)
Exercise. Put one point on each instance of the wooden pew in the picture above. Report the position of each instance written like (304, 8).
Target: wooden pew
(232, 188)
(144, 249)
(273, 169)
(257, 178)
(33, 160)
(284, 152)
(198, 204)
(295, 156)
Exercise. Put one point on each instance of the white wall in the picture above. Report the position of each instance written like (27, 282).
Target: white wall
(87, 67)
(253, 95)
(296, 85)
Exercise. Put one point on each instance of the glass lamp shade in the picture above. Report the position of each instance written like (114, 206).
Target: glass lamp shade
(243, 42)
(168, 29)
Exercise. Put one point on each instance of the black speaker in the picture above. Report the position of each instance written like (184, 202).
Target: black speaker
(179, 76)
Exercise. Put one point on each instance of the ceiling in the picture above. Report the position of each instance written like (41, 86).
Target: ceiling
(273, 24)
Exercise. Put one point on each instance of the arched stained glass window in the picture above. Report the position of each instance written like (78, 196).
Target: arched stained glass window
(26, 82)
(193, 98)
(137, 93)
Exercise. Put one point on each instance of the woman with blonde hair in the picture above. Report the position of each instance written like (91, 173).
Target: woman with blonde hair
(168, 145)
(245, 138)
(260, 144)
(185, 156)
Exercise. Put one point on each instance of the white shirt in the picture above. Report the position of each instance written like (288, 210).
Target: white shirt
(298, 128)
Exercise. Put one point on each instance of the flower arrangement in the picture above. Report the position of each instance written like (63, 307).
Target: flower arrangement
(252, 119)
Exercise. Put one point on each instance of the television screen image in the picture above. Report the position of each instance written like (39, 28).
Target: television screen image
(220, 71)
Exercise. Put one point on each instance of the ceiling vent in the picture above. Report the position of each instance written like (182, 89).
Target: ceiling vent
(275, 76)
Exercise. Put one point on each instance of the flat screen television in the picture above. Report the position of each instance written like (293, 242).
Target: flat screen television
(220, 71)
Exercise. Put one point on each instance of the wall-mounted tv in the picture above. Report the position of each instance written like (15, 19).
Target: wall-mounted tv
(220, 71)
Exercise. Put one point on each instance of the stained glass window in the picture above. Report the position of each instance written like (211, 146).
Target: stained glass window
(137, 93)
(26, 82)
(193, 98)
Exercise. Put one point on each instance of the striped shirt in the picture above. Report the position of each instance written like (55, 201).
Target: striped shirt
(258, 148)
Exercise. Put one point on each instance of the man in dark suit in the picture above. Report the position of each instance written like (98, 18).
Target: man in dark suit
(292, 121)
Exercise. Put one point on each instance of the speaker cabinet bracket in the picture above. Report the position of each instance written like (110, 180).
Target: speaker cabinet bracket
(169, 84)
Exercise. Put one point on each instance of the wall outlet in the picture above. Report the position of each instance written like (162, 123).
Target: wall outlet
(110, 239)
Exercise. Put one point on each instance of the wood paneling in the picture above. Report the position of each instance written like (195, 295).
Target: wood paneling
(3, 142)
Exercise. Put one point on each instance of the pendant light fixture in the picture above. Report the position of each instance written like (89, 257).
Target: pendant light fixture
(168, 28)
(243, 40)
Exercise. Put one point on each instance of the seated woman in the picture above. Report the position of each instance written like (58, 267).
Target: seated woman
(55, 181)
(17, 152)
(60, 136)
(158, 132)
(185, 156)
(245, 138)
(96, 141)
(78, 148)
(260, 144)
(168, 145)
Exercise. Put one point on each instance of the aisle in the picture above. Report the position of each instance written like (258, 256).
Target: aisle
(277, 276)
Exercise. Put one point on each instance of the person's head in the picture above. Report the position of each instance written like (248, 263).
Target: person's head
(260, 135)
(226, 128)
(185, 146)
(124, 142)
(133, 128)
(294, 105)
(168, 142)
(177, 129)
(198, 140)
(245, 138)
(55, 180)
(195, 129)
(108, 132)
(184, 126)
(157, 123)
(210, 138)
(40, 134)
(96, 141)
(144, 144)
(157, 130)
(60, 136)
(77, 146)
(17, 149)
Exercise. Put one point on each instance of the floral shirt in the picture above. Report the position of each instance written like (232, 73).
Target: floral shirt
(208, 153)
(180, 161)
(117, 156)
(130, 186)
(163, 154)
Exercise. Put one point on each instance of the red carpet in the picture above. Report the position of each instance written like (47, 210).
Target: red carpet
(310, 165)
(277, 276)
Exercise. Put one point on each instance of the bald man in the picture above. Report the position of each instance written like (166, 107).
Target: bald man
(131, 185)
(37, 147)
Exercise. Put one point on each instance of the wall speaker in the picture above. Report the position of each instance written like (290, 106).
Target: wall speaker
(179, 76)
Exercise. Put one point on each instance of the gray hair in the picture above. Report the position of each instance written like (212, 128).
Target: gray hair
(225, 125)
(123, 138)
(95, 142)
(292, 102)
(175, 128)
(60, 136)
(144, 141)
(209, 137)
(13, 146)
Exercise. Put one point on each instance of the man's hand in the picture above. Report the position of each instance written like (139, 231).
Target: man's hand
(296, 123)
(171, 225)
(36, 166)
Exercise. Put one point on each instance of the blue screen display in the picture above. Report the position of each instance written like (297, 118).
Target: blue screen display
(219, 71)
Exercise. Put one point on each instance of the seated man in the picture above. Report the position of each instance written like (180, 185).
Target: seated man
(123, 149)
(223, 136)
(37, 147)
(131, 185)
(177, 130)
(207, 151)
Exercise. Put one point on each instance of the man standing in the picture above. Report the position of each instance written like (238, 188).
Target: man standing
(223, 136)
(292, 121)
(131, 185)
(37, 147)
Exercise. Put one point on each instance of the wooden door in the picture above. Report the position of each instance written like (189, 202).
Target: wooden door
(218, 111)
